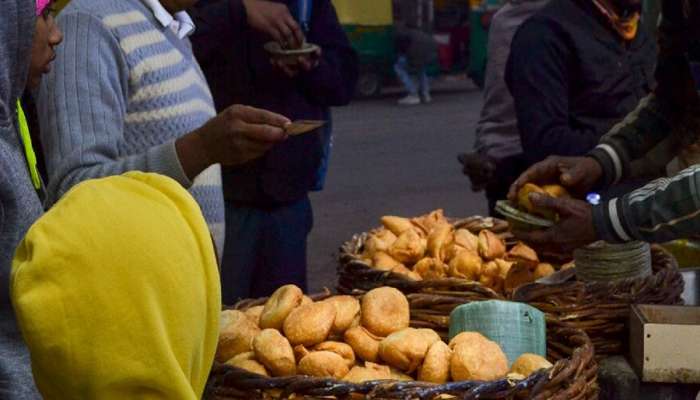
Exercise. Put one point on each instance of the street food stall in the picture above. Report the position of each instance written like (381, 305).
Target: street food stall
(413, 290)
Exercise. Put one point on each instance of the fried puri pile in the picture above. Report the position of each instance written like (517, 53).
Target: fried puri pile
(356, 340)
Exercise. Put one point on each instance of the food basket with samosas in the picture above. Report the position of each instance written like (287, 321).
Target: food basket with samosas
(336, 347)
(441, 263)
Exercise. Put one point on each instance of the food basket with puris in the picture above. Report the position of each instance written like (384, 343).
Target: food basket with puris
(441, 263)
(294, 346)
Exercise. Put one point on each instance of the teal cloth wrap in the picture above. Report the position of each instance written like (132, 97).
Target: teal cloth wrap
(517, 327)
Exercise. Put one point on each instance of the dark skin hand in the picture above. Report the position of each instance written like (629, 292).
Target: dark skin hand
(302, 63)
(275, 20)
(479, 168)
(578, 174)
(573, 230)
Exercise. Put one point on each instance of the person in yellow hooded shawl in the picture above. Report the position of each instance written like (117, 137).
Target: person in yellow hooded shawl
(116, 290)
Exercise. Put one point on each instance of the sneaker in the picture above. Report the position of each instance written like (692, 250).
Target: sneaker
(426, 99)
(410, 100)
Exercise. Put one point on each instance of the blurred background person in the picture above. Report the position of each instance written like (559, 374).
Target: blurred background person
(416, 50)
(268, 211)
(577, 68)
(498, 158)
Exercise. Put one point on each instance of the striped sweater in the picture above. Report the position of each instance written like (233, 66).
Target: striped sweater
(123, 88)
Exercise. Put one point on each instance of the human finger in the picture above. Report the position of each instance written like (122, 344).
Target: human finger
(558, 205)
(296, 35)
(252, 115)
(540, 171)
(262, 132)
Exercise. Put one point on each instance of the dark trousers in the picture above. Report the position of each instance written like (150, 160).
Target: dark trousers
(265, 249)
(507, 171)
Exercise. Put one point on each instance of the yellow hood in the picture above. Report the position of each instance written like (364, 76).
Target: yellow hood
(117, 292)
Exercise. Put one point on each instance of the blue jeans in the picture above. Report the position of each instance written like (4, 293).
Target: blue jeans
(402, 70)
(265, 249)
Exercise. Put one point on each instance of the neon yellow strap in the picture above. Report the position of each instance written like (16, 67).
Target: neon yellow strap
(28, 148)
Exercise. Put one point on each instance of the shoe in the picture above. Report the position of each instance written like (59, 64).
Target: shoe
(426, 99)
(410, 100)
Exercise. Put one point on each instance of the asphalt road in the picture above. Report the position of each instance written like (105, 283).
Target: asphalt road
(392, 160)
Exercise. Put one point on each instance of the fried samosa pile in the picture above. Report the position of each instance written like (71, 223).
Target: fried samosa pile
(429, 247)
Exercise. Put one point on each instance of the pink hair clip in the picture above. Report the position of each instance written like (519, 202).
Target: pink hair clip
(41, 5)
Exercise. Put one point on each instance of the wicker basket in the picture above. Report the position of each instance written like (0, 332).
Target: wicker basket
(573, 376)
(600, 309)
(356, 276)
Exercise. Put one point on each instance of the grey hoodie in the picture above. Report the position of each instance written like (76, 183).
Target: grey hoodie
(19, 203)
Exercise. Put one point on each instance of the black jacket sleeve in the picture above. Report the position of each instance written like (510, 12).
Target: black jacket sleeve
(333, 82)
(215, 21)
(537, 75)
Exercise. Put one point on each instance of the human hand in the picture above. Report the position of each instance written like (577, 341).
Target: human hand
(275, 20)
(292, 67)
(235, 136)
(578, 174)
(573, 230)
(479, 168)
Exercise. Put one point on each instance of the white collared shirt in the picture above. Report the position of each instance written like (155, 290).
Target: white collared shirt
(181, 23)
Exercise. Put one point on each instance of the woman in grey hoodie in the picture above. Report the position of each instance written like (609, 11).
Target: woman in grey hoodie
(27, 38)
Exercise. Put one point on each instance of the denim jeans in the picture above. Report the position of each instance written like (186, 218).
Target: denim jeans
(402, 70)
(265, 249)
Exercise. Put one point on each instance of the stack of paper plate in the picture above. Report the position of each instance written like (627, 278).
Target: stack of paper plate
(520, 220)
(606, 262)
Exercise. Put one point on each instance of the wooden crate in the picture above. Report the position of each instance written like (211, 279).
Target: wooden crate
(664, 344)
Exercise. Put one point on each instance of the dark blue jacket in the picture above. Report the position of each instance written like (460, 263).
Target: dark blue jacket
(573, 78)
(238, 70)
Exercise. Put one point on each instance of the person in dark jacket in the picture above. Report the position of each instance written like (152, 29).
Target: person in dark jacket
(576, 68)
(268, 213)
(497, 159)
(666, 208)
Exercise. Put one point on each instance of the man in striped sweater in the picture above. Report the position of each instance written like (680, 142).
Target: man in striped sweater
(127, 94)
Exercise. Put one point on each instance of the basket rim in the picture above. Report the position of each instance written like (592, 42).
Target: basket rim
(579, 365)
(349, 257)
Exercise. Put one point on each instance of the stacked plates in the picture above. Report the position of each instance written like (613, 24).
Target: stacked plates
(606, 262)
(520, 220)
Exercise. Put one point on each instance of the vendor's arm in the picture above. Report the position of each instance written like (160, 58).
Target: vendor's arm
(665, 209)
(537, 74)
(331, 82)
(82, 111)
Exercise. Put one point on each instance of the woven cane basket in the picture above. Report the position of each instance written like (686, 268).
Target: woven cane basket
(573, 376)
(600, 309)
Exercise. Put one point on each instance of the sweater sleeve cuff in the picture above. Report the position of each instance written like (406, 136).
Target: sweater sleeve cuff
(608, 222)
(610, 161)
(164, 160)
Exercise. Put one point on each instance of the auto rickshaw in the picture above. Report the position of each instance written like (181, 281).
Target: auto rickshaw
(369, 25)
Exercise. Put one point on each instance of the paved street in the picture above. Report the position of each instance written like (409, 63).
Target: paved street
(392, 160)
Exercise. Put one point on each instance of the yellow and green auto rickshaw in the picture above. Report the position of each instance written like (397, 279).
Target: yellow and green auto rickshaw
(369, 25)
